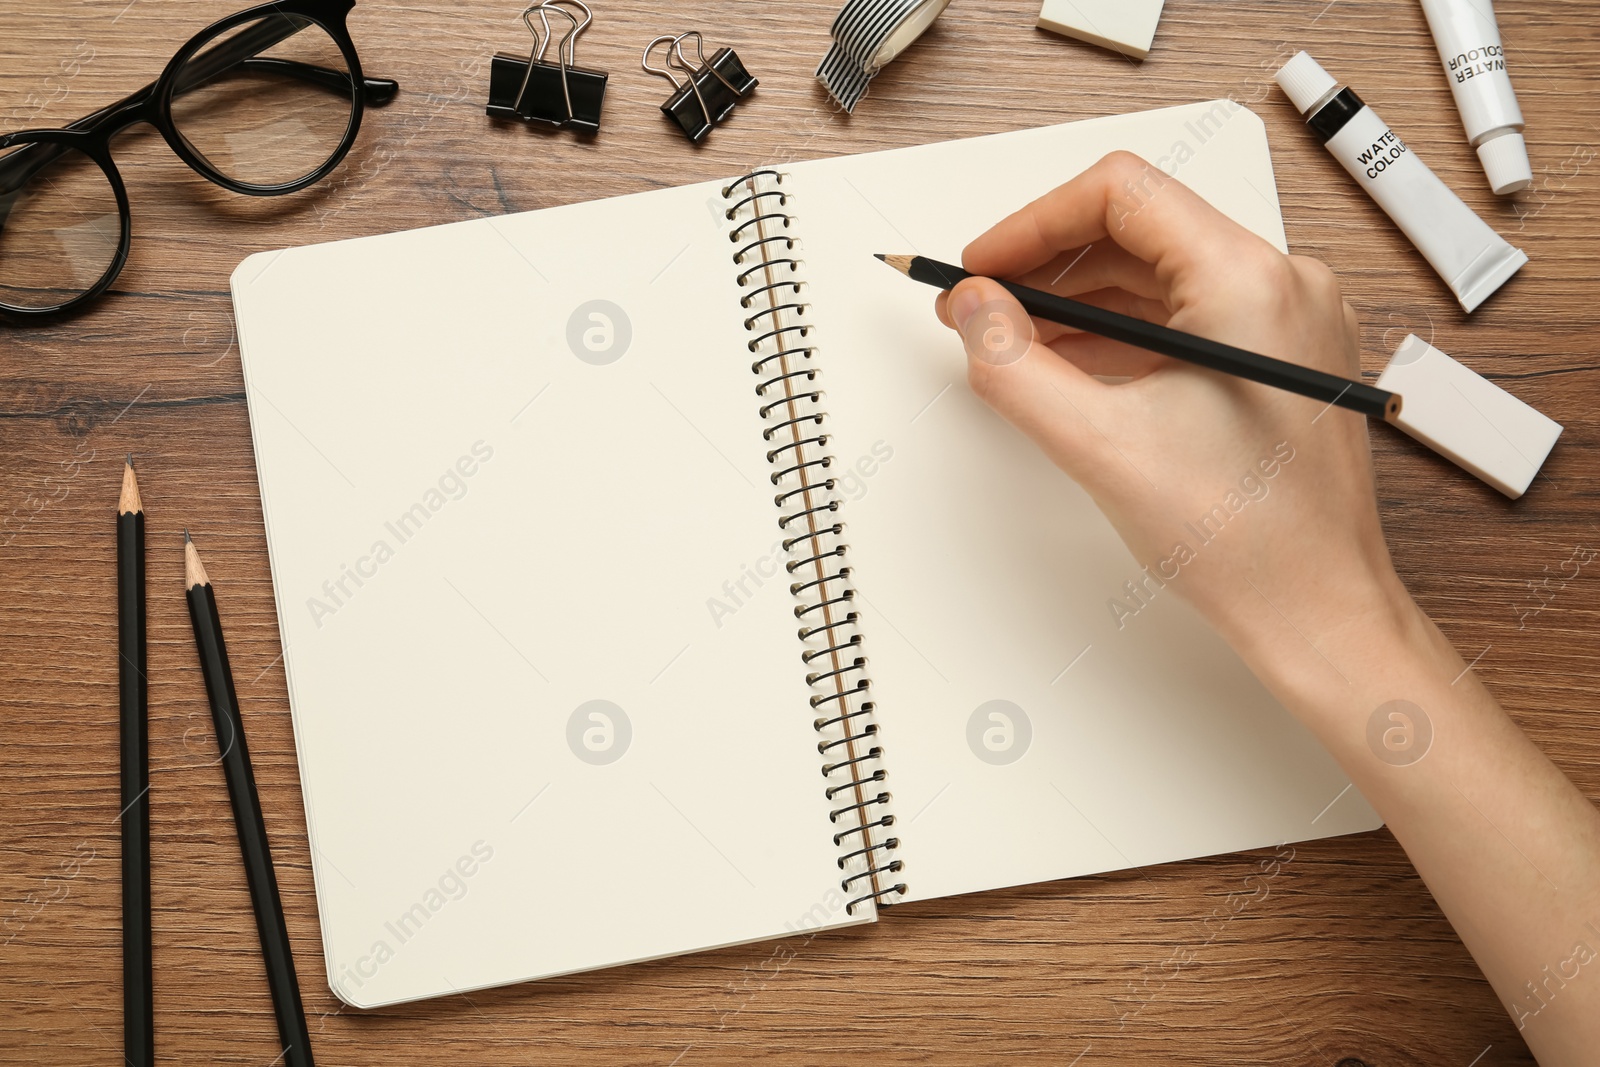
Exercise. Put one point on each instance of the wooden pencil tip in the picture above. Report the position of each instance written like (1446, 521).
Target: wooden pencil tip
(899, 263)
(880, 255)
(129, 504)
(194, 572)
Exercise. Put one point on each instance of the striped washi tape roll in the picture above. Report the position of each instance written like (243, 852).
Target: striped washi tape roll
(867, 35)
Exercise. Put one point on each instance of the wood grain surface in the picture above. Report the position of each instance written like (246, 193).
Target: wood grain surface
(1346, 956)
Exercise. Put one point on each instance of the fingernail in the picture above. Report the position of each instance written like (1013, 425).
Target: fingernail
(964, 304)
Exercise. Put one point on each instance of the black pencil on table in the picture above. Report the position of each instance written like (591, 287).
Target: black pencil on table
(286, 1005)
(1306, 381)
(138, 1003)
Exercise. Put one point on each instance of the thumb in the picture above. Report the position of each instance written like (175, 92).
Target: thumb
(1022, 379)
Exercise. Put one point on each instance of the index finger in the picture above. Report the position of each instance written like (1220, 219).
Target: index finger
(1124, 199)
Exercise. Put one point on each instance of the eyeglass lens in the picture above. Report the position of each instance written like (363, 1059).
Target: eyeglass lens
(272, 118)
(59, 231)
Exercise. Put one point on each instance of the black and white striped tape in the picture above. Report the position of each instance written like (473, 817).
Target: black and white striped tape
(867, 35)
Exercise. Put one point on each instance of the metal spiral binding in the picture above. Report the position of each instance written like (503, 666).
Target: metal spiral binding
(790, 403)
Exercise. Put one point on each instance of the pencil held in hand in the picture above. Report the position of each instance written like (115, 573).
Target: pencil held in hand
(1291, 377)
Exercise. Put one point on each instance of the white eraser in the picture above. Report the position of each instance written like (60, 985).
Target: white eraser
(1126, 26)
(1466, 418)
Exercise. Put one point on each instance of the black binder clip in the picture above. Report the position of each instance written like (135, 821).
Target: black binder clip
(561, 94)
(708, 93)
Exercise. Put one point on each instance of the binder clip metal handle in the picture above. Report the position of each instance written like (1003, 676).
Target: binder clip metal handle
(562, 94)
(708, 93)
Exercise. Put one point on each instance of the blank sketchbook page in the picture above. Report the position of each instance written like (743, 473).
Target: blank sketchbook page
(984, 574)
(475, 532)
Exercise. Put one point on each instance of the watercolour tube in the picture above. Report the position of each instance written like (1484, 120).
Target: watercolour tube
(1475, 65)
(1473, 260)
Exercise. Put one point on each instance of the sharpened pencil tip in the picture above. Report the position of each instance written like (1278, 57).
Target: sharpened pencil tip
(880, 255)
(899, 263)
(128, 503)
(194, 572)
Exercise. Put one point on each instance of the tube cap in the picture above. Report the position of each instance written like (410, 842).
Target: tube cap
(1304, 82)
(1505, 161)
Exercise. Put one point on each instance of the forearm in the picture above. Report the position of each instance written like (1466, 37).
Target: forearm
(1508, 846)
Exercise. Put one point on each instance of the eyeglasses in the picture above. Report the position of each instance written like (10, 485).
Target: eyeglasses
(265, 102)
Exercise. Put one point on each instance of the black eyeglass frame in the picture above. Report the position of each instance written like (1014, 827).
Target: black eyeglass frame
(92, 134)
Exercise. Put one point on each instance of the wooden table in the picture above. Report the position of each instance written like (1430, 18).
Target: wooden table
(1347, 956)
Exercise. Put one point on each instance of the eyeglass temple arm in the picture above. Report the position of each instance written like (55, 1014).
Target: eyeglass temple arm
(375, 92)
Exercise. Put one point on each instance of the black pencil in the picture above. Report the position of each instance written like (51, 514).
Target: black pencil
(292, 1033)
(1318, 385)
(138, 1003)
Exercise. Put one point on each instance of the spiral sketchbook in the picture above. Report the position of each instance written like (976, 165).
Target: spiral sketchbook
(650, 580)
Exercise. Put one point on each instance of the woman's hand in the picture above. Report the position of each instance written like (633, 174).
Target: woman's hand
(1257, 504)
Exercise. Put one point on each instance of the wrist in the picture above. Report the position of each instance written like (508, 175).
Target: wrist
(1353, 650)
